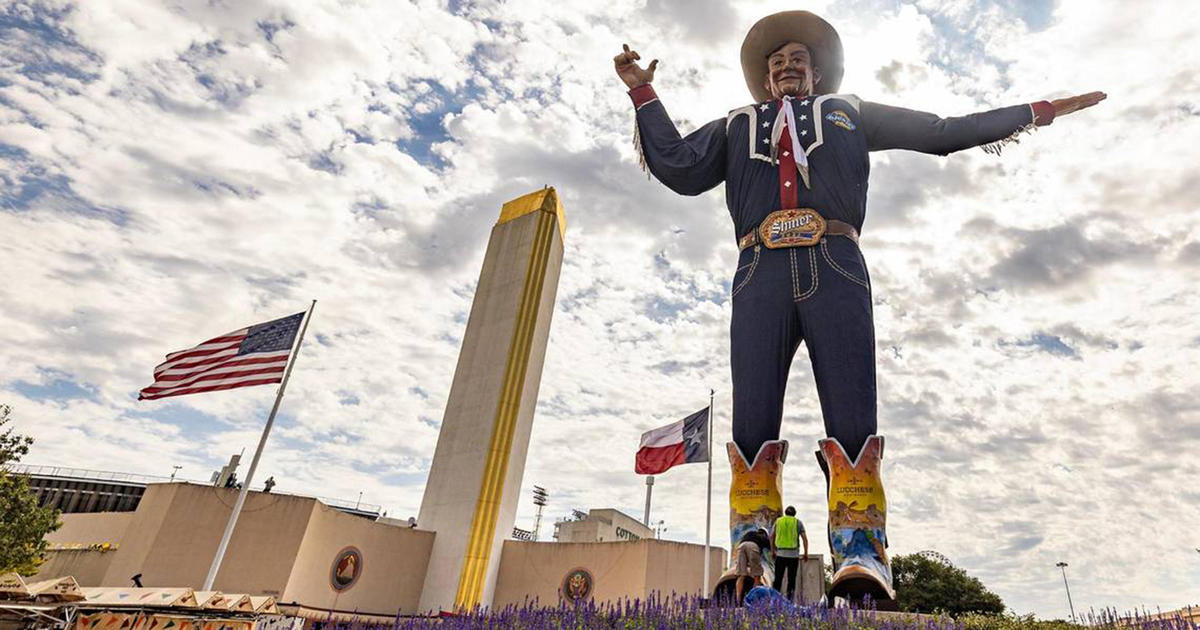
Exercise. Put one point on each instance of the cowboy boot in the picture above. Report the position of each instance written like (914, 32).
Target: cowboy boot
(755, 501)
(857, 522)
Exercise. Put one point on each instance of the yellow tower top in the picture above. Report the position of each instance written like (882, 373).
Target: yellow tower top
(544, 200)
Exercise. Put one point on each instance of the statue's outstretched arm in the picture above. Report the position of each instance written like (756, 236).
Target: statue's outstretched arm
(890, 127)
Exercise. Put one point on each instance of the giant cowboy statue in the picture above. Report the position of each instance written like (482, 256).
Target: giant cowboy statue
(795, 168)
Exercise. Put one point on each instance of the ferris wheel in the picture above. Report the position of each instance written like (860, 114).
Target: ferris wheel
(936, 556)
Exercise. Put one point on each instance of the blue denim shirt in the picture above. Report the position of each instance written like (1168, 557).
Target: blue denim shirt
(837, 131)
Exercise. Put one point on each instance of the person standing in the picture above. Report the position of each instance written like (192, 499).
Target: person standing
(785, 543)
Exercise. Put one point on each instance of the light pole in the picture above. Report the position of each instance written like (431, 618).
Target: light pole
(649, 489)
(1063, 566)
(540, 496)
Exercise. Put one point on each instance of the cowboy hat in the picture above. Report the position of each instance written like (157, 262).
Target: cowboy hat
(775, 30)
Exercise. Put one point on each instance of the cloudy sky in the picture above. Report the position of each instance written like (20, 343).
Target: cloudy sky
(170, 171)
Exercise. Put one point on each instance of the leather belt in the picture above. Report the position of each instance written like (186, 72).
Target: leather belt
(831, 226)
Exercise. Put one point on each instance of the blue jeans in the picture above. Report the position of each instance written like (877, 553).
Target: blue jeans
(821, 295)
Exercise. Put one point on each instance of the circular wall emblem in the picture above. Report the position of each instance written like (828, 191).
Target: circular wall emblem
(347, 566)
(577, 585)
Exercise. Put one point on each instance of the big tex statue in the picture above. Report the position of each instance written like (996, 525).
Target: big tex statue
(795, 167)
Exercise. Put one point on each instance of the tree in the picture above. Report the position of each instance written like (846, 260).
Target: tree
(925, 585)
(23, 525)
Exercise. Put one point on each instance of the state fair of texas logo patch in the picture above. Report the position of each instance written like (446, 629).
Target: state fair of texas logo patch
(839, 118)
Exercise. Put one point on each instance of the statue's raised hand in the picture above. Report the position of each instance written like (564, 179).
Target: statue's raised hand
(1064, 106)
(632, 74)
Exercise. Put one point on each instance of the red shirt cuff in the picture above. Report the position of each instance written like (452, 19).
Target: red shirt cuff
(642, 94)
(1043, 113)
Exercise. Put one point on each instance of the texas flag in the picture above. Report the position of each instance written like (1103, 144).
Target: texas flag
(683, 442)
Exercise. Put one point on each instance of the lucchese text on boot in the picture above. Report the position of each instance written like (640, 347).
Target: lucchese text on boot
(857, 519)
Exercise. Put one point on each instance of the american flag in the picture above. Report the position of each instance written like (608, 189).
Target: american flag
(257, 355)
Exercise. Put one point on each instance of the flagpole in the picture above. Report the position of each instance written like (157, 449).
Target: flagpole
(708, 498)
(262, 441)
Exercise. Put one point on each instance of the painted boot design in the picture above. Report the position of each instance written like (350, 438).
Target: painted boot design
(756, 490)
(857, 522)
(755, 501)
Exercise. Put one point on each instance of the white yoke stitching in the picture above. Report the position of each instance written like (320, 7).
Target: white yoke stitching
(751, 112)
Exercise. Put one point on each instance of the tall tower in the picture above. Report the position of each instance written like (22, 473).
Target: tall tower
(471, 496)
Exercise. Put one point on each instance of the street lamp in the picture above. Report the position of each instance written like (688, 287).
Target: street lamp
(1063, 566)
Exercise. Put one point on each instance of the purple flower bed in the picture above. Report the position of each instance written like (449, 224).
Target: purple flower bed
(662, 613)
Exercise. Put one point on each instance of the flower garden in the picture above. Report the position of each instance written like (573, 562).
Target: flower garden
(686, 613)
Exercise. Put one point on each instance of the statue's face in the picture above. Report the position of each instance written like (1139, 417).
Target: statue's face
(790, 71)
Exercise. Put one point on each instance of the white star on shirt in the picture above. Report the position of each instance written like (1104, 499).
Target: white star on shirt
(764, 107)
(804, 102)
(804, 132)
(766, 123)
(803, 117)
(766, 141)
(787, 184)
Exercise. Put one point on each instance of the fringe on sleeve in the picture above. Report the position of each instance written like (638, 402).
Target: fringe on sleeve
(996, 147)
(637, 148)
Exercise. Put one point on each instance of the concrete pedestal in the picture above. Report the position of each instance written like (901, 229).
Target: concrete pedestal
(811, 578)
(471, 496)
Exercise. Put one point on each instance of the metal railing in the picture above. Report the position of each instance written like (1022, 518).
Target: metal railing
(109, 476)
(88, 475)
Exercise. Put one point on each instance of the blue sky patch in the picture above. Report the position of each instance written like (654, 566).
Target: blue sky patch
(427, 127)
(27, 185)
(46, 48)
(1052, 344)
(57, 389)
(193, 425)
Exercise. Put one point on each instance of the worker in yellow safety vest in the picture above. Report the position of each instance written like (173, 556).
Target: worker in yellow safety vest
(785, 543)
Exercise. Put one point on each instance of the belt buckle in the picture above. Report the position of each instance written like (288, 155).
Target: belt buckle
(793, 227)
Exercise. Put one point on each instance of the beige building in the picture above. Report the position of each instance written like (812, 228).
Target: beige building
(301, 551)
(284, 546)
(636, 569)
(605, 525)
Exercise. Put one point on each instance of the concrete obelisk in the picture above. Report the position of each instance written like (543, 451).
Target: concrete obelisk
(475, 479)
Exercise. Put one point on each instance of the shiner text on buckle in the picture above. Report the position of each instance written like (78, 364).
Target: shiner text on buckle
(793, 227)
